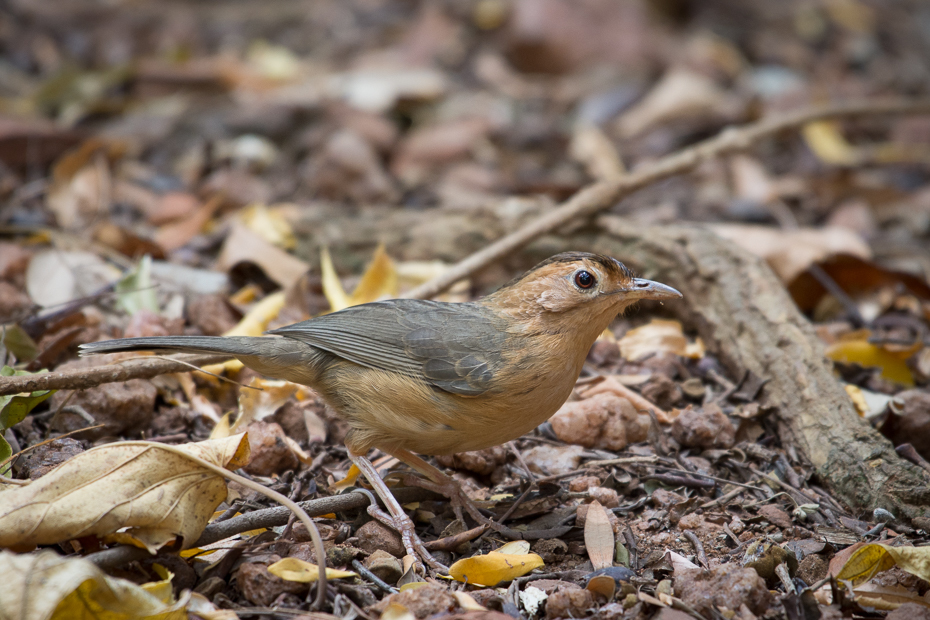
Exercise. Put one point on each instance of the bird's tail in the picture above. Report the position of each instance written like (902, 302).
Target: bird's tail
(282, 358)
(239, 345)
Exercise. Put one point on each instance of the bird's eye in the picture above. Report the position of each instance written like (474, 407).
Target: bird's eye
(584, 279)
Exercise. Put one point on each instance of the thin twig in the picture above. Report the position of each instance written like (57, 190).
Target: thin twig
(698, 547)
(605, 194)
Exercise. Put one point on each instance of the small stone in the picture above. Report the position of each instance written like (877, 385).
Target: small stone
(551, 550)
(553, 460)
(46, 457)
(569, 603)
(261, 588)
(608, 498)
(481, 462)
(385, 566)
(703, 427)
(270, 453)
(583, 483)
(423, 602)
(727, 585)
(374, 536)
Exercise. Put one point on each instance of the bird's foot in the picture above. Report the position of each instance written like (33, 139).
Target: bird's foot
(451, 489)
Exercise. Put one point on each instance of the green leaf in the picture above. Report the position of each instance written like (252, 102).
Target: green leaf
(15, 407)
(6, 451)
(19, 343)
(135, 291)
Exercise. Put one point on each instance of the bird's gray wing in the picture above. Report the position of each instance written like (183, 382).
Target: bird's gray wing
(455, 347)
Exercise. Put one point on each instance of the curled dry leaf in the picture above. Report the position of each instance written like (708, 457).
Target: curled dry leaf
(659, 336)
(599, 537)
(871, 559)
(46, 586)
(378, 282)
(157, 493)
(292, 569)
(493, 568)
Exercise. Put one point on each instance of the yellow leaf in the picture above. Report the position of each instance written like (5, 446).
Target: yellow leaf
(263, 401)
(493, 568)
(515, 547)
(869, 355)
(467, 602)
(351, 476)
(855, 394)
(292, 569)
(269, 225)
(332, 286)
(396, 611)
(89, 494)
(223, 428)
(47, 586)
(874, 558)
(254, 323)
(379, 280)
(599, 536)
(659, 336)
(829, 145)
(162, 590)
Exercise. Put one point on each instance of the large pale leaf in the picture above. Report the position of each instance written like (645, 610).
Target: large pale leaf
(158, 494)
(292, 569)
(599, 537)
(874, 558)
(46, 586)
(493, 568)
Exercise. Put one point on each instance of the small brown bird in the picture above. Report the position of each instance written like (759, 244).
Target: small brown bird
(429, 377)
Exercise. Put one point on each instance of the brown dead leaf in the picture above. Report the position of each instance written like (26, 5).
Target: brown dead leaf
(790, 252)
(659, 336)
(680, 94)
(158, 494)
(599, 537)
(176, 234)
(243, 245)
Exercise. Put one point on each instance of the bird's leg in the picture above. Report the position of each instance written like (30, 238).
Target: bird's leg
(440, 483)
(395, 517)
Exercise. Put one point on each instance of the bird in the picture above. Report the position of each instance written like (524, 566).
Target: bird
(414, 377)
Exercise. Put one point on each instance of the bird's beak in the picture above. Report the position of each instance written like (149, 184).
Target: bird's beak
(647, 289)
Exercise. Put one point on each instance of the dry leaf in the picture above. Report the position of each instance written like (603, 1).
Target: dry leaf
(829, 145)
(599, 536)
(874, 558)
(260, 403)
(378, 282)
(592, 148)
(678, 95)
(176, 234)
(47, 586)
(515, 547)
(270, 225)
(244, 245)
(659, 336)
(292, 569)
(603, 585)
(858, 350)
(493, 568)
(158, 494)
(55, 277)
(791, 252)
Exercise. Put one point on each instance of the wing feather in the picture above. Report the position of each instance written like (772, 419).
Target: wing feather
(454, 347)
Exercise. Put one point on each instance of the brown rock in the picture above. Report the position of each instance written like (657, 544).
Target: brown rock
(270, 453)
(385, 566)
(569, 603)
(553, 460)
(812, 568)
(662, 391)
(261, 587)
(608, 498)
(775, 515)
(123, 408)
(703, 427)
(46, 457)
(211, 314)
(727, 585)
(374, 536)
(422, 602)
(909, 611)
(481, 462)
(604, 421)
(583, 483)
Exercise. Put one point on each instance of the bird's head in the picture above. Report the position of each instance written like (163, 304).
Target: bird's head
(577, 288)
